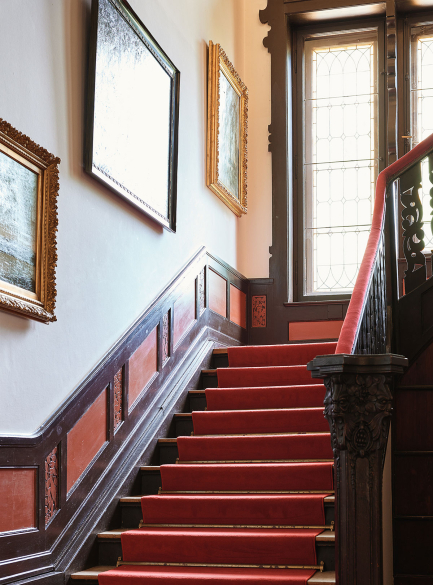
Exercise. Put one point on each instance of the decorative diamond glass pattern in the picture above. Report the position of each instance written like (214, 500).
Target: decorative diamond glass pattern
(340, 158)
(422, 113)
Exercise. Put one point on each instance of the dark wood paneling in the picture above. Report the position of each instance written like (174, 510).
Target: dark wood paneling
(413, 477)
(217, 293)
(413, 541)
(238, 307)
(17, 499)
(412, 580)
(86, 510)
(415, 321)
(419, 372)
(311, 330)
(143, 366)
(184, 313)
(118, 399)
(52, 484)
(413, 428)
(258, 311)
(86, 438)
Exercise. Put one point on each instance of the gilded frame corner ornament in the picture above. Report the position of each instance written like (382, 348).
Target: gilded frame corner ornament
(40, 303)
(219, 65)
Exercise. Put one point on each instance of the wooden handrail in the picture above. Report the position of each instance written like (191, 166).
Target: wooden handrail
(351, 325)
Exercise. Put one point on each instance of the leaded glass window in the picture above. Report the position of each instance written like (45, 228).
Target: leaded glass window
(340, 159)
(422, 110)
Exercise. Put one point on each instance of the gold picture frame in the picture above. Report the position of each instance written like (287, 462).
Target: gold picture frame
(227, 132)
(29, 185)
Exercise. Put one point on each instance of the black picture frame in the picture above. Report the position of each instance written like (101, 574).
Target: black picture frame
(131, 140)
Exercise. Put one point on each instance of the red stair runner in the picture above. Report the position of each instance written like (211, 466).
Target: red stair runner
(265, 397)
(249, 448)
(134, 575)
(233, 508)
(247, 477)
(245, 509)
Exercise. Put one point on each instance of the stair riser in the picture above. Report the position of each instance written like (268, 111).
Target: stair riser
(132, 515)
(111, 550)
(209, 381)
(183, 427)
(150, 482)
(326, 553)
(197, 402)
(168, 453)
(220, 360)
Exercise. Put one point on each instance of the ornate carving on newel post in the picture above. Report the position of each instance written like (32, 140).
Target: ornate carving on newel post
(358, 407)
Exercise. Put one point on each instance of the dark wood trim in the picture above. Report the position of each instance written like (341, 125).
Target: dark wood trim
(66, 541)
(358, 407)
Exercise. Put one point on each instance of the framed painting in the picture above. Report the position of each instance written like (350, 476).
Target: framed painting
(132, 113)
(227, 132)
(29, 184)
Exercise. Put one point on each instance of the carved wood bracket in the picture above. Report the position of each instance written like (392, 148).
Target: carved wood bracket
(358, 407)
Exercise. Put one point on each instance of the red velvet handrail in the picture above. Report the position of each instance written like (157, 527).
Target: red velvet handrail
(350, 327)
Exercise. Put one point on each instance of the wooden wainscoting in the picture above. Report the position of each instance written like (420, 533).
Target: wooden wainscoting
(57, 487)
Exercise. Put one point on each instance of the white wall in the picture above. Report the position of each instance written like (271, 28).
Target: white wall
(255, 228)
(112, 260)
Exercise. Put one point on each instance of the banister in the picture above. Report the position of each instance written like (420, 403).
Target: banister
(351, 325)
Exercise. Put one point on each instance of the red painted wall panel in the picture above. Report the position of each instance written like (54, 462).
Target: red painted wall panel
(217, 293)
(311, 330)
(85, 439)
(143, 365)
(184, 313)
(238, 307)
(17, 498)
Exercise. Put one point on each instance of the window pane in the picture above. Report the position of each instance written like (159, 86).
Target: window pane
(340, 157)
(422, 115)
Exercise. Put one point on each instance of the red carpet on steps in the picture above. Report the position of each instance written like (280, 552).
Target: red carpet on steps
(251, 448)
(265, 397)
(203, 575)
(247, 477)
(233, 508)
(229, 509)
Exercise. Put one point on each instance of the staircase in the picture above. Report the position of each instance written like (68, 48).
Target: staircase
(245, 490)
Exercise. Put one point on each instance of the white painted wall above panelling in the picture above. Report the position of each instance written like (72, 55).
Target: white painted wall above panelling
(113, 261)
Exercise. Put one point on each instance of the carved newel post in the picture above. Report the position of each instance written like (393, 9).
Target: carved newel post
(358, 406)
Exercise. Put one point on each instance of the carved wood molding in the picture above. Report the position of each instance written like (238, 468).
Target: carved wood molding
(358, 407)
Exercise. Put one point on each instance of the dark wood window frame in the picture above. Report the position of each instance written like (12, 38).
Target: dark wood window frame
(299, 34)
(285, 18)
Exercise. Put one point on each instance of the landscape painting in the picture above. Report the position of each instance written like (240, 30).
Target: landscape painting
(229, 139)
(29, 187)
(227, 132)
(18, 207)
(133, 112)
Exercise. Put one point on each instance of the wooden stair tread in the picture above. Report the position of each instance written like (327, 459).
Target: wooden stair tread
(197, 392)
(265, 434)
(265, 410)
(226, 461)
(327, 499)
(325, 578)
(113, 534)
(90, 574)
(220, 351)
(325, 536)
